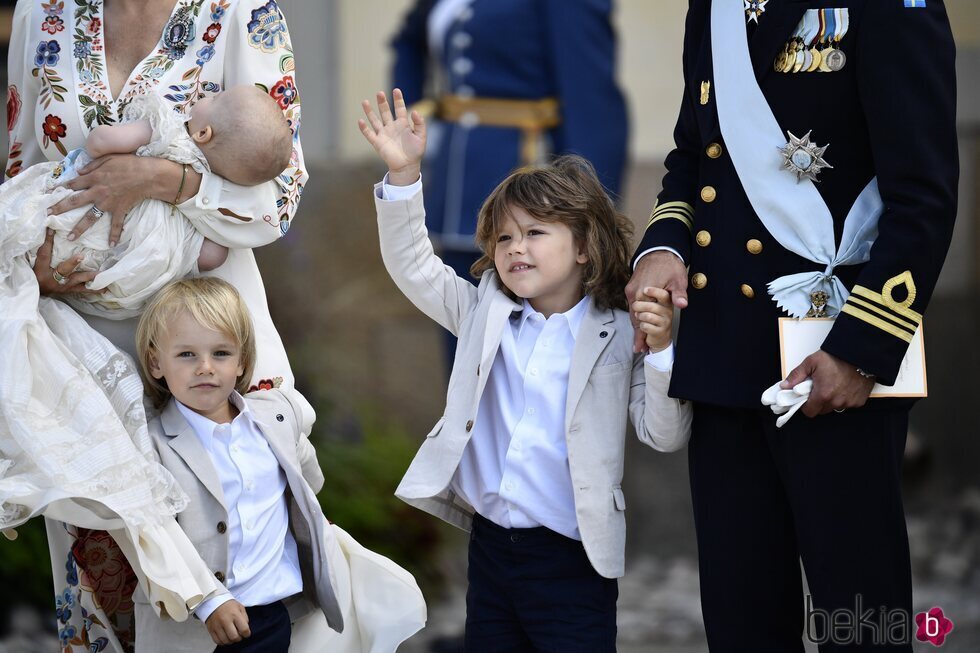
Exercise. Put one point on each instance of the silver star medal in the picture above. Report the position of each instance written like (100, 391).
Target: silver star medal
(754, 9)
(803, 157)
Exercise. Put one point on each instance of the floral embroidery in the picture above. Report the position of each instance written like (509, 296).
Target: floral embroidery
(204, 54)
(211, 33)
(267, 29)
(265, 384)
(94, 26)
(13, 106)
(68, 633)
(47, 53)
(16, 163)
(177, 36)
(52, 25)
(53, 8)
(54, 130)
(92, 92)
(284, 92)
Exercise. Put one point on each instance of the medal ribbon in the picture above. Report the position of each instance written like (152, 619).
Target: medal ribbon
(792, 211)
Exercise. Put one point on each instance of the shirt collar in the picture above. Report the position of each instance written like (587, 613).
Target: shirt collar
(204, 427)
(573, 316)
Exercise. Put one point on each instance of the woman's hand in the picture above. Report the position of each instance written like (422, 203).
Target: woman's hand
(47, 280)
(117, 182)
(399, 140)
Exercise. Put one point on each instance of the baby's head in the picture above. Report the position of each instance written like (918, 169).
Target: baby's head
(243, 134)
(196, 343)
(528, 218)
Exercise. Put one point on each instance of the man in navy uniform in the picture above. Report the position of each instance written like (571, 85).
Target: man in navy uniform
(816, 159)
(508, 82)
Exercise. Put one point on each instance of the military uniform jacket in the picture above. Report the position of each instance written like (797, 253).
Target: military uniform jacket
(518, 50)
(889, 112)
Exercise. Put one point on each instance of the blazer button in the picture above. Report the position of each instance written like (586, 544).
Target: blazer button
(280, 418)
(703, 238)
(603, 334)
(708, 194)
(699, 280)
(714, 151)
(222, 527)
(220, 576)
(754, 246)
(478, 370)
(748, 291)
(469, 426)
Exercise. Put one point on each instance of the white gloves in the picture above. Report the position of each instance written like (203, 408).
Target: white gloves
(785, 403)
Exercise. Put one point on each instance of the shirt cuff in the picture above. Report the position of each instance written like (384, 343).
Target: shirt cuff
(391, 193)
(208, 606)
(663, 360)
(658, 249)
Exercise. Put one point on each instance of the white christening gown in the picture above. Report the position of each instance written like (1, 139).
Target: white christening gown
(73, 436)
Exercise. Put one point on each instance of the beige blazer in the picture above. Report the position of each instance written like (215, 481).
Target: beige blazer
(608, 385)
(279, 417)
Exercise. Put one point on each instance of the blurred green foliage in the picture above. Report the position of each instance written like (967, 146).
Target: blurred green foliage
(25, 571)
(362, 463)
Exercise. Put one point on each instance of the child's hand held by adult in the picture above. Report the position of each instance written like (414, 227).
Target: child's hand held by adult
(654, 313)
(228, 623)
(399, 138)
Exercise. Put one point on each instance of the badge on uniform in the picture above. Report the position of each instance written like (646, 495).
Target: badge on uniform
(815, 44)
(915, 4)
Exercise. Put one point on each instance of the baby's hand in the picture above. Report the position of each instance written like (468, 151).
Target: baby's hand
(228, 623)
(399, 140)
(655, 313)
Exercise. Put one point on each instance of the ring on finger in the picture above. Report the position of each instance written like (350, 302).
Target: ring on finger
(97, 212)
(60, 278)
(839, 410)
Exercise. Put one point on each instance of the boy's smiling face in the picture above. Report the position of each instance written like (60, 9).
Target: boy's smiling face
(539, 261)
(201, 367)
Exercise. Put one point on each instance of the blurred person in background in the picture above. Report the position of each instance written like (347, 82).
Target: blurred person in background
(508, 83)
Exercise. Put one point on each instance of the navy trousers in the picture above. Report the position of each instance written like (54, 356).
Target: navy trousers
(270, 628)
(824, 490)
(533, 590)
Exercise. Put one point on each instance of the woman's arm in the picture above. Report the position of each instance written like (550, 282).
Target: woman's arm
(241, 216)
(22, 95)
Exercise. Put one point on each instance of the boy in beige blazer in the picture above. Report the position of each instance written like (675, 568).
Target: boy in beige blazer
(529, 453)
(250, 474)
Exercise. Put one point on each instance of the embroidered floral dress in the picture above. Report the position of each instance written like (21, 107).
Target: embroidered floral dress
(58, 92)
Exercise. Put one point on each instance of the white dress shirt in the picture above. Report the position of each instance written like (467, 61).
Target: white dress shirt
(263, 561)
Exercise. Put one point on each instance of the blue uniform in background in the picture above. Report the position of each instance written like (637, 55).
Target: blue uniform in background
(512, 50)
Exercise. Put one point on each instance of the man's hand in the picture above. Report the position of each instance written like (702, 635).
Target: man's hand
(398, 140)
(660, 269)
(654, 314)
(228, 623)
(836, 384)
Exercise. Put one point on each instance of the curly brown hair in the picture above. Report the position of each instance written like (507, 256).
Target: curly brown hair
(566, 191)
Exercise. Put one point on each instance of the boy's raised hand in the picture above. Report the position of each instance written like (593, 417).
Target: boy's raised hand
(654, 313)
(228, 623)
(399, 139)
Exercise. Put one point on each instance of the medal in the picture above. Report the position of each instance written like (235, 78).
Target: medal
(804, 158)
(836, 60)
(800, 58)
(179, 32)
(818, 304)
(754, 9)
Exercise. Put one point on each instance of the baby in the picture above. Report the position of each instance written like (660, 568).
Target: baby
(239, 134)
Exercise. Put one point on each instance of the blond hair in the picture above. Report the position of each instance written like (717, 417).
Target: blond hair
(252, 142)
(566, 191)
(214, 304)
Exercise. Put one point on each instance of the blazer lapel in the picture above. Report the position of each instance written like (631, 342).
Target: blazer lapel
(589, 345)
(184, 441)
(776, 27)
(501, 306)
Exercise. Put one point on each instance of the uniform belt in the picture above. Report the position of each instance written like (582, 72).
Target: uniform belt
(532, 117)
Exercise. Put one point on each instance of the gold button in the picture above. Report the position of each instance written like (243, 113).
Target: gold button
(708, 194)
(714, 151)
(747, 291)
(699, 281)
(754, 246)
(703, 238)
